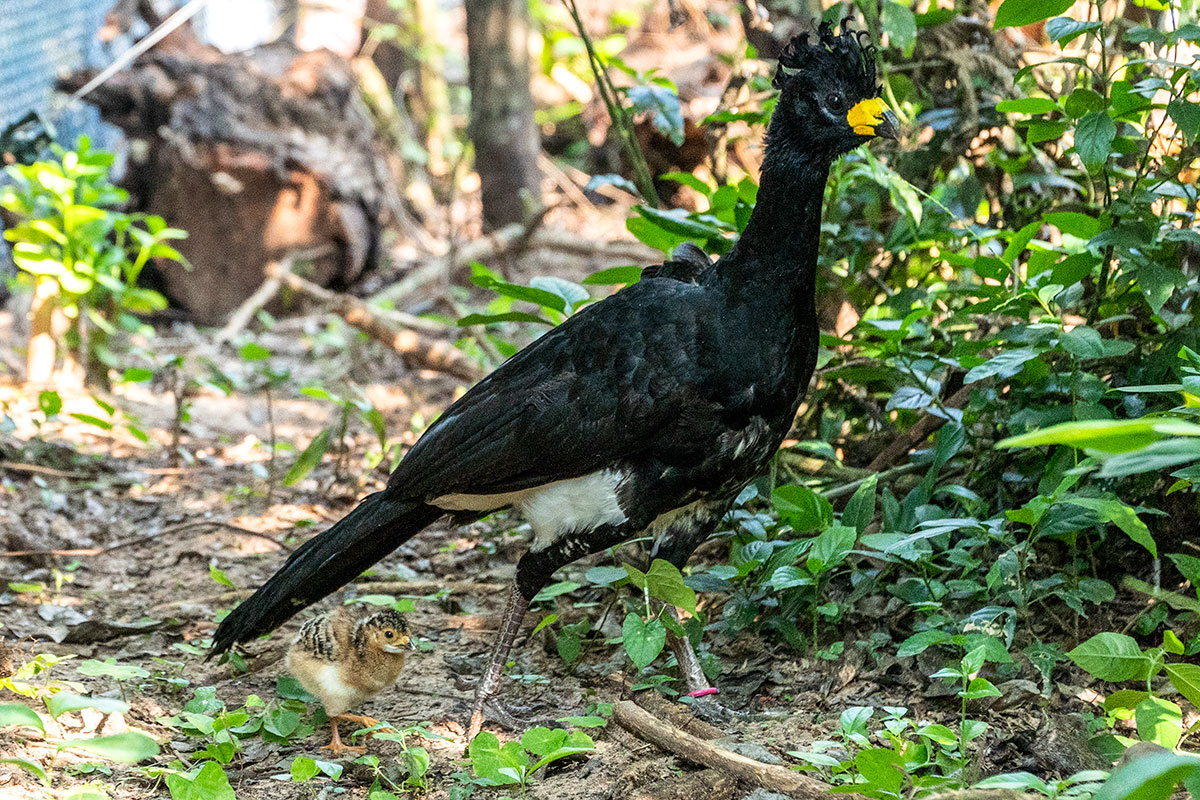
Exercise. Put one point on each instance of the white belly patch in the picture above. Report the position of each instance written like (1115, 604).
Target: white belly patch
(556, 508)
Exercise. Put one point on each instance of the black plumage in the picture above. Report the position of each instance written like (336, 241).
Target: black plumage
(644, 414)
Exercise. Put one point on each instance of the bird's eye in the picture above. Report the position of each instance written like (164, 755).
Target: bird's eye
(389, 634)
(835, 102)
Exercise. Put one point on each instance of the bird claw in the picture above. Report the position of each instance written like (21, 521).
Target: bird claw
(495, 711)
(337, 748)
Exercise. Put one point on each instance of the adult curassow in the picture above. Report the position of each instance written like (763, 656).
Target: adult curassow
(646, 413)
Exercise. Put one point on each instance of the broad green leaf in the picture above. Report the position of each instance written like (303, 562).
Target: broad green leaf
(1154, 457)
(920, 642)
(664, 108)
(1019, 781)
(883, 768)
(554, 590)
(1017, 13)
(830, 547)
(66, 702)
(1064, 29)
(1109, 436)
(17, 714)
(614, 276)
(208, 782)
(605, 576)
(1122, 516)
(665, 582)
(1112, 657)
(900, 26)
(129, 747)
(1188, 566)
(1186, 115)
(804, 509)
(643, 641)
(860, 510)
(1159, 721)
(572, 294)
(1186, 680)
(1002, 365)
(1094, 137)
(541, 740)
(1153, 777)
(303, 768)
(111, 669)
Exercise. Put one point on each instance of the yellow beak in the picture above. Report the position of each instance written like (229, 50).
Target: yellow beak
(872, 117)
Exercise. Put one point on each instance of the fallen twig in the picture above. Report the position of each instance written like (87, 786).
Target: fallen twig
(420, 351)
(647, 727)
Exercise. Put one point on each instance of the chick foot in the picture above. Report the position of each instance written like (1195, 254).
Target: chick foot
(337, 747)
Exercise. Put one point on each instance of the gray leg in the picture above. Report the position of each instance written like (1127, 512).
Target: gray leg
(514, 613)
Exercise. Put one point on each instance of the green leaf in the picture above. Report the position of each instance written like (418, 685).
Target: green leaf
(1027, 105)
(665, 582)
(252, 351)
(1109, 436)
(614, 276)
(804, 509)
(1153, 777)
(830, 547)
(17, 714)
(1094, 137)
(1159, 721)
(66, 702)
(207, 782)
(883, 768)
(1186, 115)
(219, 576)
(1189, 567)
(1122, 516)
(554, 590)
(900, 26)
(541, 740)
(111, 669)
(303, 768)
(1002, 365)
(605, 576)
(860, 510)
(1186, 680)
(1018, 13)
(1111, 657)
(643, 641)
(1156, 456)
(508, 316)
(1018, 781)
(920, 642)
(1064, 29)
(49, 402)
(979, 688)
(572, 294)
(129, 747)
(31, 766)
(308, 459)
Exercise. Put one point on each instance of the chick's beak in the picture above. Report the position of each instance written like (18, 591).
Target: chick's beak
(397, 649)
(872, 117)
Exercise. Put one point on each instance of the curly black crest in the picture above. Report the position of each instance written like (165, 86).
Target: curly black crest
(848, 56)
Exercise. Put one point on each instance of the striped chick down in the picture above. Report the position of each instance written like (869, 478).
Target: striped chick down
(344, 658)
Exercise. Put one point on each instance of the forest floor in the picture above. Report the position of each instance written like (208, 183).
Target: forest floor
(122, 544)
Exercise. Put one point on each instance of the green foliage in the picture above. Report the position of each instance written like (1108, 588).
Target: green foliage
(515, 762)
(71, 234)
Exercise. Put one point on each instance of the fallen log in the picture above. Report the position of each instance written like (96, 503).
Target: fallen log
(417, 349)
(648, 728)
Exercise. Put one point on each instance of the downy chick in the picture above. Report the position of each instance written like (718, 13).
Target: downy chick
(343, 659)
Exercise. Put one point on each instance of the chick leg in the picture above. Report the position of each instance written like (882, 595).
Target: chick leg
(335, 744)
(514, 613)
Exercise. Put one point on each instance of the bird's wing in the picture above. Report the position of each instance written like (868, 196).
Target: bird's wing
(589, 394)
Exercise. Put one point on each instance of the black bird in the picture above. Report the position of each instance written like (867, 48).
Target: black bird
(646, 413)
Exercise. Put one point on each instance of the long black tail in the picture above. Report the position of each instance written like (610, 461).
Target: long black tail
(325, 563)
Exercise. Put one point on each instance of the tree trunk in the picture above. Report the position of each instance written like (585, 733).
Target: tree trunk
(502, 128)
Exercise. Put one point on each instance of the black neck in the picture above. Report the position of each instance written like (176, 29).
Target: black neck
(779, 245)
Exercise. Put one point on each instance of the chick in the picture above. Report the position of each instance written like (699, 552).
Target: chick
(343, 659)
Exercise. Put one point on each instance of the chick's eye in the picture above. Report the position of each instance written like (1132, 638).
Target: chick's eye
(835, 102)
(389, 634)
